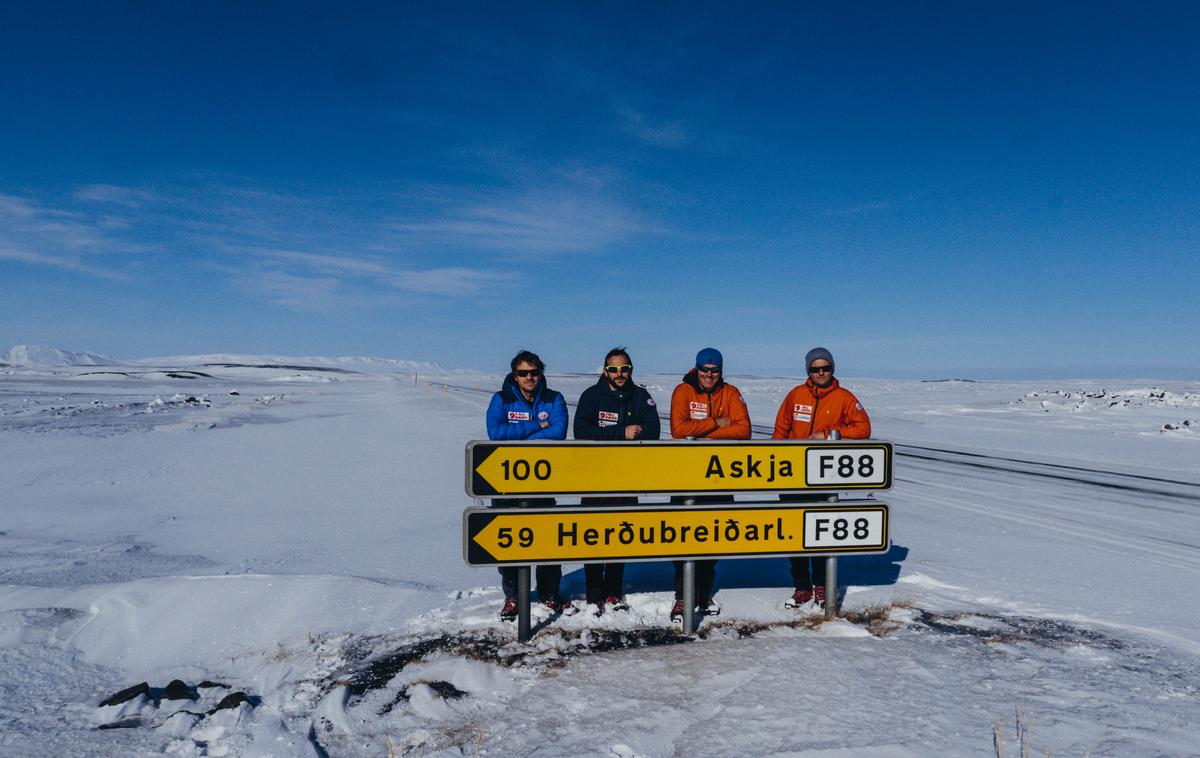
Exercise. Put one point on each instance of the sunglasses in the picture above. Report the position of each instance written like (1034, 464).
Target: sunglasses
(709, 369)
(820, 369)
(626, 369)
(524, 372)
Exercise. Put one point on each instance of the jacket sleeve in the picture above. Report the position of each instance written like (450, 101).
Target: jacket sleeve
(587, 424)
(854, 424)
(494, 413)
(498, 427)
(783, 419)
(739, 420)
(558, 422)
(648, 417)
(682, 425)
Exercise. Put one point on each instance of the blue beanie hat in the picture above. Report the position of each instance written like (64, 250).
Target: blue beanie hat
(709, 356)
(816, 354)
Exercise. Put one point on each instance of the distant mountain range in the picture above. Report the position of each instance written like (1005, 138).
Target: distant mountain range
(45, 355)
(354, 363)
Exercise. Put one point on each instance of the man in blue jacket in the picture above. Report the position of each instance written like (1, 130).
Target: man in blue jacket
(526, 409)
(613, 409)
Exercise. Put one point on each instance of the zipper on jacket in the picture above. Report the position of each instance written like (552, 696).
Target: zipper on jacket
(812, 423)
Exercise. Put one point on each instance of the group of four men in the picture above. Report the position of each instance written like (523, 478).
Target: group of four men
(702, 406)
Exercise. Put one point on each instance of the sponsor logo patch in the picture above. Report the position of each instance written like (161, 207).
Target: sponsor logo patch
(801, 417)
(698, 410)
(803, 408)
(649, 401)
(543, 415)
(515, 416)
(858, 406)
(608, 418)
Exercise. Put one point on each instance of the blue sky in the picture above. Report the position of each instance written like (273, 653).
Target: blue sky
(929, 190)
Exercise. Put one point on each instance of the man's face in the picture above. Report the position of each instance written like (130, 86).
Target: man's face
(532, 375)
(708, 376)
(819, 377)
(618, 370)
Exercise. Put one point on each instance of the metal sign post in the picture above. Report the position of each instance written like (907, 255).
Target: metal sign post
(689, 589)
(831, 585)
(831, 562)
(523, 603)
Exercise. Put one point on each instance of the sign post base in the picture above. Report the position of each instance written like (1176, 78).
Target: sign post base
(689, 597)
(523, 603)
(831, 585)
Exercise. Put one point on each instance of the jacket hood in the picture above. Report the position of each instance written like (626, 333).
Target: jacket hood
(602, 383)
(822, 391)
(510, 386)
(692, 378)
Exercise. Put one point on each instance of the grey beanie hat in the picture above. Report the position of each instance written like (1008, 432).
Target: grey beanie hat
(814, 354)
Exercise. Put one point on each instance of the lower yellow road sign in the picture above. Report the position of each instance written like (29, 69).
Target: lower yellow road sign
(576, 534)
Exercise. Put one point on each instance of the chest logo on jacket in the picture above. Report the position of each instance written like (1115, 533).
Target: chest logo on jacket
(698, 410)
(515, 416)
(608, 418)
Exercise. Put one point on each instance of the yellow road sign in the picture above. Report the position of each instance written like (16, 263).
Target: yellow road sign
(675, 467)
(499, 536)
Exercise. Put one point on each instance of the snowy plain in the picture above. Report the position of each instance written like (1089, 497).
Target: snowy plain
(300, 542)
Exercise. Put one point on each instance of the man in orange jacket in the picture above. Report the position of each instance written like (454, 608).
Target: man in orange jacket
(811, 411)
(703, 405)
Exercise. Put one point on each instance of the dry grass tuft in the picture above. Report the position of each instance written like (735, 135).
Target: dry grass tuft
(1025, 721)
(877, 618)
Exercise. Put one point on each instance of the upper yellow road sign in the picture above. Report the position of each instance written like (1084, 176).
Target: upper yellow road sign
(674, 467)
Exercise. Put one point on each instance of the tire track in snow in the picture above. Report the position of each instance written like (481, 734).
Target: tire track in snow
(1078, 516)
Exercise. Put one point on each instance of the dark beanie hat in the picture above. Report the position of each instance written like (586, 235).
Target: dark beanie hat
(815, 354)
(709, 356)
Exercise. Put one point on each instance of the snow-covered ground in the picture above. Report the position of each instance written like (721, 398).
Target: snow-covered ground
(290, 529)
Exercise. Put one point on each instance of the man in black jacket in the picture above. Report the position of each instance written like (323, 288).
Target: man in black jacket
(613, 409)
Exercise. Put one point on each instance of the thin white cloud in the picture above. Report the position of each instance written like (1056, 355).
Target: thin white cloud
(535, 222)
(313, 252)
(452, 282)
(303, 293)
(53, 261)
(111, 194)
(861, 210)
(41, 236)
(650, 130)
(14, 209)
(291, 276)
(322, 261)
